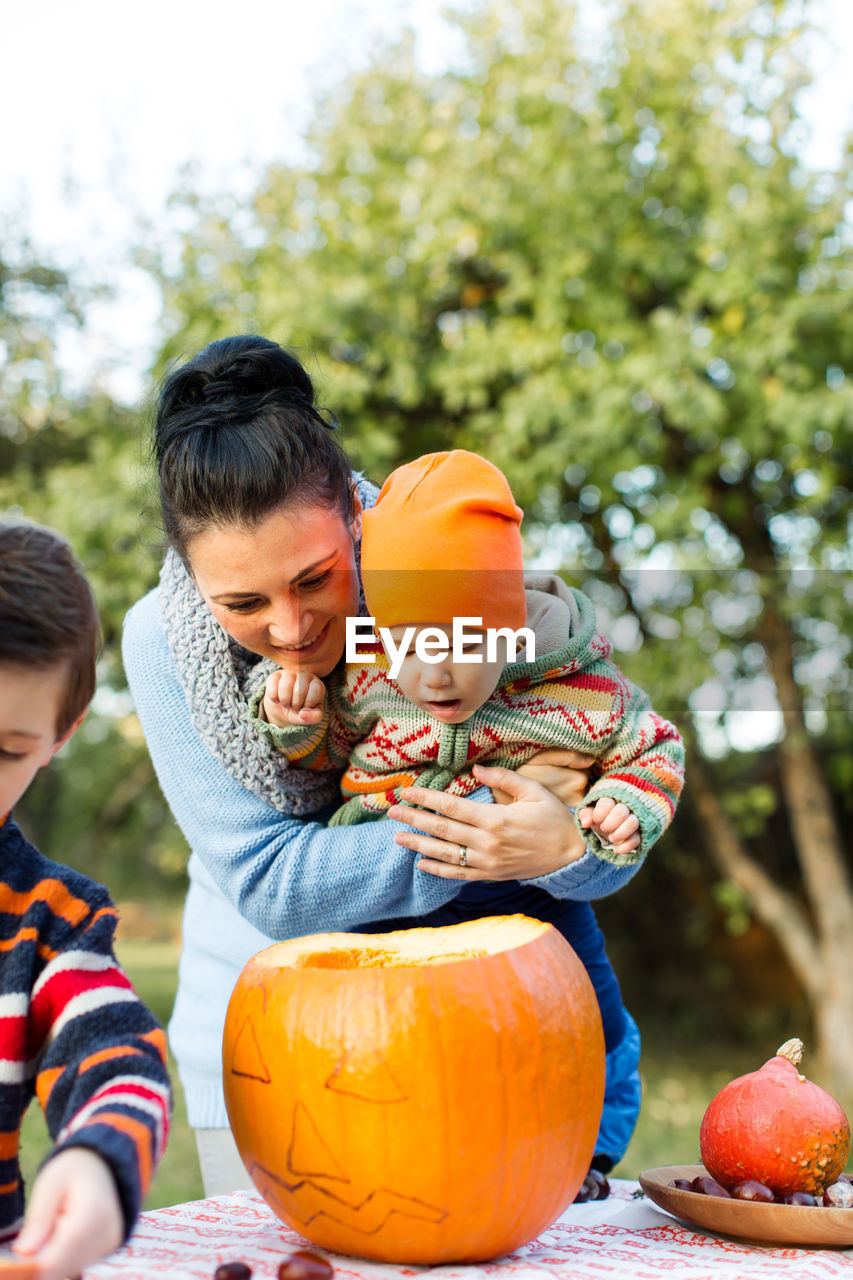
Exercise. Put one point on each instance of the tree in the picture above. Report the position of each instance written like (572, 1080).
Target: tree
(36, 299)
(74, 462)
(603, 266)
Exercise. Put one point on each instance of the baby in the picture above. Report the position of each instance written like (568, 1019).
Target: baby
(395, 718)
(446, 707)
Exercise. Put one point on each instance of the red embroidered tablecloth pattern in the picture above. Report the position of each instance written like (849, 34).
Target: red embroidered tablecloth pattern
(619, 1237)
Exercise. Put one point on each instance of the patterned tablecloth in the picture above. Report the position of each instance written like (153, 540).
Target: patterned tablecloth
(622, 1236)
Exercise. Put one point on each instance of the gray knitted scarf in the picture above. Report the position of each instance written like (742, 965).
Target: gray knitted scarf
(218, 676)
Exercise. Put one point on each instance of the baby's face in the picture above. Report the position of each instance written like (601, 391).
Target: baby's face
(450, 689)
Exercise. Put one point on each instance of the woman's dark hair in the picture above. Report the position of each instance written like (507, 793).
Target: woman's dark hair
(237, 435)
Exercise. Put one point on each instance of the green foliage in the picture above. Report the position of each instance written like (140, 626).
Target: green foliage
(602, 265)
(751, 806)
(92, 491)
(73, 462)
(734, 904)
(36, 301)
(606, 270)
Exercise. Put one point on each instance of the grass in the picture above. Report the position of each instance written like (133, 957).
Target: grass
(153, 969)
(677, 1087)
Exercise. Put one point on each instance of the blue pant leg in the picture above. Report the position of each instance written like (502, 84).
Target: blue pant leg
(622, 1097)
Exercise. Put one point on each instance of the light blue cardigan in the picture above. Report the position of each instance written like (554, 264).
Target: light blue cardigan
(257, 876)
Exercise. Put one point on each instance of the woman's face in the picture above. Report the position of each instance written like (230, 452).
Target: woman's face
(284, 587)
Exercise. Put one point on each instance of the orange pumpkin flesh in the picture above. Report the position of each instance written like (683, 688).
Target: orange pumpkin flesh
(774, 1126)
(423, 1096)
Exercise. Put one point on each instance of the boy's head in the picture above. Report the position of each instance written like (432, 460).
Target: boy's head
(444, 542)
(49, 641)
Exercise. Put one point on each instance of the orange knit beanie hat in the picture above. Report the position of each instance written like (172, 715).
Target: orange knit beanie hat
(443, 541)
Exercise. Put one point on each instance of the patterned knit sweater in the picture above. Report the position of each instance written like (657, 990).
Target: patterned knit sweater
(72, 1030)
(571, 696)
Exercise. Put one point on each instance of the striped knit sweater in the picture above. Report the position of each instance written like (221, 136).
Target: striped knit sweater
(72, 1030)
(571, 696)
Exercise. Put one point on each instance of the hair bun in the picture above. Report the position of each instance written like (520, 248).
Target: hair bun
(238, 434)
(217, 387)
(268, 367)
(244, 368)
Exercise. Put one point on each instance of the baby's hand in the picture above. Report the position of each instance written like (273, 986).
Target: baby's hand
(294, 698)
(74, 1217)
(614, 824)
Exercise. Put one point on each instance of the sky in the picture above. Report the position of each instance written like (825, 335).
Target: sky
(111, 102)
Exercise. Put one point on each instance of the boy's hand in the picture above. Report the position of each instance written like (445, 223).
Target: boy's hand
(614, 824)
(294, 698)
(74, 1217)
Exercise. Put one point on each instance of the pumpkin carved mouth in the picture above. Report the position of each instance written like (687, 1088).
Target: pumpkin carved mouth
(431, 1095)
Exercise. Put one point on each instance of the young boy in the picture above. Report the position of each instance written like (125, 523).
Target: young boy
(72, 1030)
(431, 722)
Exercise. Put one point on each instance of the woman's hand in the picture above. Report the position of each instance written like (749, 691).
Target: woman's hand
(465, 840)
(562, 772)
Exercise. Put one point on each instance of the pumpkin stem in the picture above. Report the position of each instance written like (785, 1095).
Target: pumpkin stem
(792, 1050)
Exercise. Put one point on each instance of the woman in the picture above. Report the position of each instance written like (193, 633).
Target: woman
(263, 514)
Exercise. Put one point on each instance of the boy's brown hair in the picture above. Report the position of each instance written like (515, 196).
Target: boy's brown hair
(48, 614)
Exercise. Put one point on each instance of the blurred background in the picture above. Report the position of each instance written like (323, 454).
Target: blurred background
(609, 247)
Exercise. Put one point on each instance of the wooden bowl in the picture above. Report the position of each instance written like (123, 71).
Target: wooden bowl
(746, 1219)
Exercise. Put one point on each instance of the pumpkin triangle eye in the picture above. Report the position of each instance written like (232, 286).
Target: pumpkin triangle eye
(308, 1155)
(246, 1058)
(365, 1074)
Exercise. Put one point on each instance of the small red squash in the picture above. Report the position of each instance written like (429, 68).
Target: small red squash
(774, 1126)
(422, 1096)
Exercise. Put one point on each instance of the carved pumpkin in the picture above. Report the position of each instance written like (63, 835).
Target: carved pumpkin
(774, 1126)
(424, 1096)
